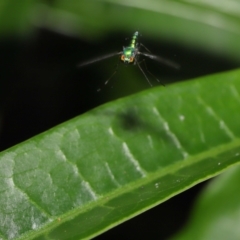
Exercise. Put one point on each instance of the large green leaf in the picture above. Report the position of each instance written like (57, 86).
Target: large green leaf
(97, 170)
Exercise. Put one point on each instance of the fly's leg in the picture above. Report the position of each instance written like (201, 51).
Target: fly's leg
(145, 47)
(143, 61)
(146, 65)
(107, 81)
(139, 66)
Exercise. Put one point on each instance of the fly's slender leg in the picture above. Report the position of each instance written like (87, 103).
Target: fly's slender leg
(106, 82)
(138, 64)
(150, 72)
(142, 45)
(100, 59)
(145, 47)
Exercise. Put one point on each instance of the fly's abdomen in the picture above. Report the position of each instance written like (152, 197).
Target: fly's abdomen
(134, 39)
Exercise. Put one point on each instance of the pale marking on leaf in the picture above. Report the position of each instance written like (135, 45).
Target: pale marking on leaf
(111, 175)
(200, 130)
(181, 117)
(150, 141)
(73, 139)
(224, 127)
(202, 137)
(111, 131)
(84, 182)
(75, 169)
(90, 190)
(61, 154)
(23, 195)
(74, 134)
(235, 92)
(133, 160)
(78, 133)
(34, 225)
(13, 230)
(171, 134)
(222, 124)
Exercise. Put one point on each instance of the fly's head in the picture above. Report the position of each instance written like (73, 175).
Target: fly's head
(128, 55)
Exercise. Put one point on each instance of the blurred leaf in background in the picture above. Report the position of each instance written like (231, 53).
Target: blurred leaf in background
(15, 17)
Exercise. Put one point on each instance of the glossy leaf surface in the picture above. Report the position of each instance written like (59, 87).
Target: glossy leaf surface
(92, 172)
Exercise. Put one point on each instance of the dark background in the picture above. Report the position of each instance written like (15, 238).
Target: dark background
(42, 87)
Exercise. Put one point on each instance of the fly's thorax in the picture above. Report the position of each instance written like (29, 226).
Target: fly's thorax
(128, 55)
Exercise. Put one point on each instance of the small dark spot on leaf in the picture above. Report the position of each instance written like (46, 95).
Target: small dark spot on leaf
(130, 120)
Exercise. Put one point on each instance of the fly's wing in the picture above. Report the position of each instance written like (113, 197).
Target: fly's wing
(161, 60)
(98, 59)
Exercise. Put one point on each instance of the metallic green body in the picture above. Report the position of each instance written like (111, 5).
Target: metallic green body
(129, 53)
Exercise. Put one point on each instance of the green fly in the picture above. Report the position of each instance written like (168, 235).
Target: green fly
(130, 55)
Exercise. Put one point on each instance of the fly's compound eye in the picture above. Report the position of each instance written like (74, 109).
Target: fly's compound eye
(122, 57)
(131, 59)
